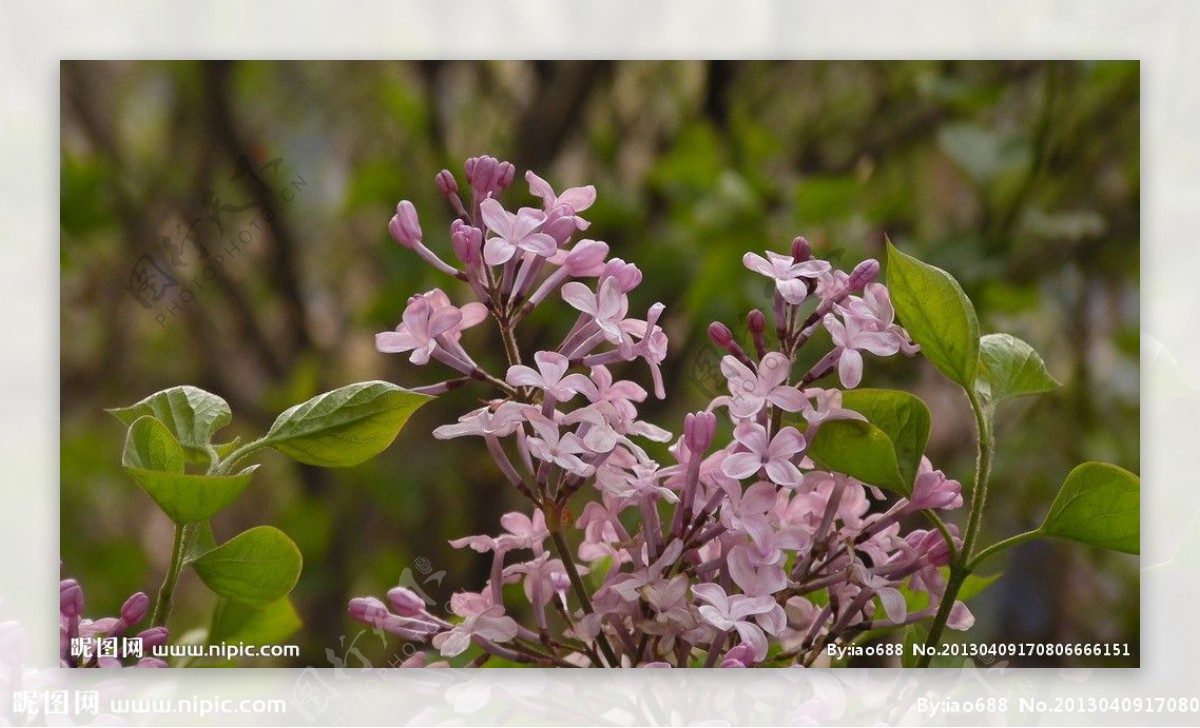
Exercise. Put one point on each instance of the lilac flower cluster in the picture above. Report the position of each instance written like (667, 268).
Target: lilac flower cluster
(80, 639)
(737, 555)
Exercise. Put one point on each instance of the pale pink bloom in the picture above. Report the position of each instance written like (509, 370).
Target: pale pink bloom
(522, 532)
(829, 407)
(893, 601)
(584, 259)
(750, 391)
(607, 307)
(473, 312)
(775, 456)
(875, 306)
(758, 571)
(543, 579)
(734, 612)
(576, 198)
(851, 336)
(427, 317)
(482, 618)
(787, 273)
(620, 393)
(551, 447)
(550, 378)
(934, 490)
(960, 617)
(521, 231)
(501, 422)
(651, 346)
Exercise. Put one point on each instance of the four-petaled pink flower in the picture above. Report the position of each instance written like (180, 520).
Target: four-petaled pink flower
(775, 456)
(787, 273)
(483, 619)
(421, 324)
(576, 198)
(549, 377)
(607, 307)
(551, 447)
(849, 338)
(727, 612)
(750, 391)
(521, 231)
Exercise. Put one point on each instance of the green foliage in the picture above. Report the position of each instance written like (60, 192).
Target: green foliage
(1009, 368)
(901, 416)
(265, 624)
(937, 314)
(257, 566)
(1099, 505)
(346, 426)
(191, 414)
(861, 450)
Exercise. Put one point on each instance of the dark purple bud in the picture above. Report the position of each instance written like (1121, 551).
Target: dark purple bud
(863, 273)
(699, 428)
(70, 598)
(720, 334)
(446, 183)
(406, 602)
(404, 226)
(756, 322)
(801, 250)
(135, 608)
(154, 637)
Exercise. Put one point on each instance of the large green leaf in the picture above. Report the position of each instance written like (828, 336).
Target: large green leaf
(154, 459)
(257, 566)
(903, 417)
(191, 414)
(346, 426)
(861, 450)
(1009, 368)
(266, 624)
(937, 314)
(1099, 505)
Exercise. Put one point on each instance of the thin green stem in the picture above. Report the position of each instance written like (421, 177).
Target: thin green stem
(1000, 546)
(564, 553)
(944, 530)
(226, 466)
(166, 592)
(961, 565)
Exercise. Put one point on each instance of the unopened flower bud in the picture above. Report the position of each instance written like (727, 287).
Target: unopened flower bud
(699, 428)
(801, 250)
(446, 183)
(467, 242)
(154, 637)
(720, 334)
(70, 598)
(406, 602)
(756, 322)
(863, 273)
(369, 610)
(586, 258)
(135, 608)
(404, 226)
(504, 175)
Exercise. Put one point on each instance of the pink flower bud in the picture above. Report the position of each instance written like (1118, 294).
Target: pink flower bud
(154, 637)
(586, 258)
(863, 273)
(467, 242)
(740, 656)
(756, 322)
(699, 428)
(446, 183)
(720, 334)
(404, 226)
(505, 174)
(135, 608)
(801, 250)
(369, 610)
(406, 602)
(70, 598)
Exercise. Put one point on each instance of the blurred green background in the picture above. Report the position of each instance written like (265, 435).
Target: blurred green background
(1020, 178)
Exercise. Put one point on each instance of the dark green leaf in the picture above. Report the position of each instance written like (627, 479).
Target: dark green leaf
(1099, 505)
(1009, 367)
(191, 414)
(346, 426)
(257, 566)
(903, 417)
(858, 449)
(937, 314)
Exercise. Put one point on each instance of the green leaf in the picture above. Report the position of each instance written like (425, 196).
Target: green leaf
(191, 414)
(187, 498)
(268, 624)
(1099, 505)
(257, 566)
(346, 426)
(937, 314)
(1009, 368)
(903, 417)
(861, 450)
(149, 445)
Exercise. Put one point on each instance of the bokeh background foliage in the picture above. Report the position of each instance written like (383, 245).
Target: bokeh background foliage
(1021, 178)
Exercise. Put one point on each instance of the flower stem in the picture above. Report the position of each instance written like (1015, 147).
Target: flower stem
(1000, 546)
(962, 564)
(166, 593)
(564, 553)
